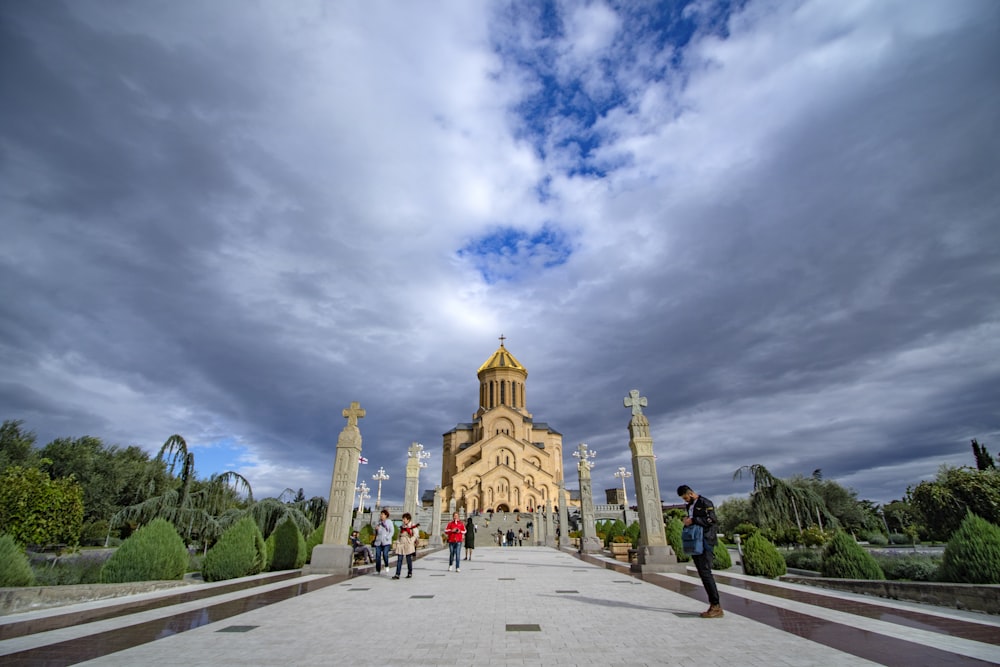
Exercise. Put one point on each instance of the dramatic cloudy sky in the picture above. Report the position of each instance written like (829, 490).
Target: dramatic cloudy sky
(777, 220)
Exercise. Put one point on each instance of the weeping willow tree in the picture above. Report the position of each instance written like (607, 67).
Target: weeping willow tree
(194, 507)
(314, 508)
(777, 504)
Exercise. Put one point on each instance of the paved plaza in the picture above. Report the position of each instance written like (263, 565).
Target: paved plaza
(515, 606)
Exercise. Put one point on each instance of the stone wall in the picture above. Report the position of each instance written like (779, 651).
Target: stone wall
(970, 597)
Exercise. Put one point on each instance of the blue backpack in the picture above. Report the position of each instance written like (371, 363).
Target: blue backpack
(692, 540)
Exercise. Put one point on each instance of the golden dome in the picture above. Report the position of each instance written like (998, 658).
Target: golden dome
(502, 359)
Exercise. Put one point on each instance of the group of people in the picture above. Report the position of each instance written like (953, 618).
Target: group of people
(700, 511)
(458, 533)
(510, 538)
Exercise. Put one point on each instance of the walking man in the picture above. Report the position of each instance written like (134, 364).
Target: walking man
(456, 535)
(701, 512)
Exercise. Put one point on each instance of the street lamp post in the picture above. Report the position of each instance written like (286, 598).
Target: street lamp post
(363, 492)
(379, 477)
(623, 474)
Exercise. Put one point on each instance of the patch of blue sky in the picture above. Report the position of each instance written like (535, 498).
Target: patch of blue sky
(218, 457)
(507, 254)
(527, 40)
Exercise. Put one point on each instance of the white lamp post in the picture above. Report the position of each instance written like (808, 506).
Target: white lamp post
(624, 474)
(379, 477)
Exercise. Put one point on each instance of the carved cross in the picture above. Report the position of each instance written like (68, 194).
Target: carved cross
(353, 413)
(636, 402)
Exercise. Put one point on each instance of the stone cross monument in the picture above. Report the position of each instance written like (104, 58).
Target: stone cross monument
(655, 554)
(335, 555)
(550, 533)
(589, 542)
(414, 462)
(435, 538)
(563, 517)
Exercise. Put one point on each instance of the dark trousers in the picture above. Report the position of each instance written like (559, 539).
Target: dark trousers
(409, 564)
(382, 556)
(704, 564)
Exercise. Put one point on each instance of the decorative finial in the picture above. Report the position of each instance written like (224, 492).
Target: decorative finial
(502, 339)
(636, 402)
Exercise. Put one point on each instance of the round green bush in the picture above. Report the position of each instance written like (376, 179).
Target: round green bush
(289, 546)
(973, 553)
(720, 557)
(154, 552)
(877, 539)
(674, 528)
(843, 558)
(761, 558)
(910, 567)
(240, 552)
(15, 570)
(804, 559)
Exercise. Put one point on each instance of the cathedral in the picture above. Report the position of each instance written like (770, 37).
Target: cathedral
(503, 460)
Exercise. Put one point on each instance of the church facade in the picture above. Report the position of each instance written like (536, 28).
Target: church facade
(503, 460)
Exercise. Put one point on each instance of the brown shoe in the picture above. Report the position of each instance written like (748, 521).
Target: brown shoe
(715, 611)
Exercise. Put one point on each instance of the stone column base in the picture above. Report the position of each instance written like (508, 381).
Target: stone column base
(435, 542)
(656, 559)
(591, 545)
(331, 559)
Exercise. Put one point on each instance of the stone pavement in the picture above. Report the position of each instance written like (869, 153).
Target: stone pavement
(518, 606)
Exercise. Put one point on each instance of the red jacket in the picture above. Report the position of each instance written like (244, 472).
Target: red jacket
(455, 531)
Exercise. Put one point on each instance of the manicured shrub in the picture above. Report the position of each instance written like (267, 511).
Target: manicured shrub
(911, 567)
(761, 558)
(899, 539)
(82, 567)
(973, 553)
(315, 537)
(720, 557)
(633, 533)
(843, 558)
(15, 570)
(239, 552)
(804, 559)
(745, 530)
(674, 528)
(154, 552)
(289, 546)
(813, 537)
(876, 539)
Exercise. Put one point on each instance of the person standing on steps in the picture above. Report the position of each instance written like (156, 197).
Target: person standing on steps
(406, 546)
(701, 512)
(456, 535)
(470, 538)
(383, 541)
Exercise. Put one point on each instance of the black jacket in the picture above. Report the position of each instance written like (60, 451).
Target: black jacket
(704, 516)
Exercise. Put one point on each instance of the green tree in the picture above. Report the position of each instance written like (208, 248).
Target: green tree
(16, 445)
(732, 513)
(35, 509)
(973, 553)
(111, 477)
(194, 506)
(761, 558)
(943, 502)
(776, 504)
(983, 459)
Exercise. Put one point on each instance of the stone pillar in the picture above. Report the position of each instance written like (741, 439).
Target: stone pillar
(335, 555)
(655, 554)
(589, 542)
(550, 533)
(412, 488)
(435, 540)
(563, 517)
